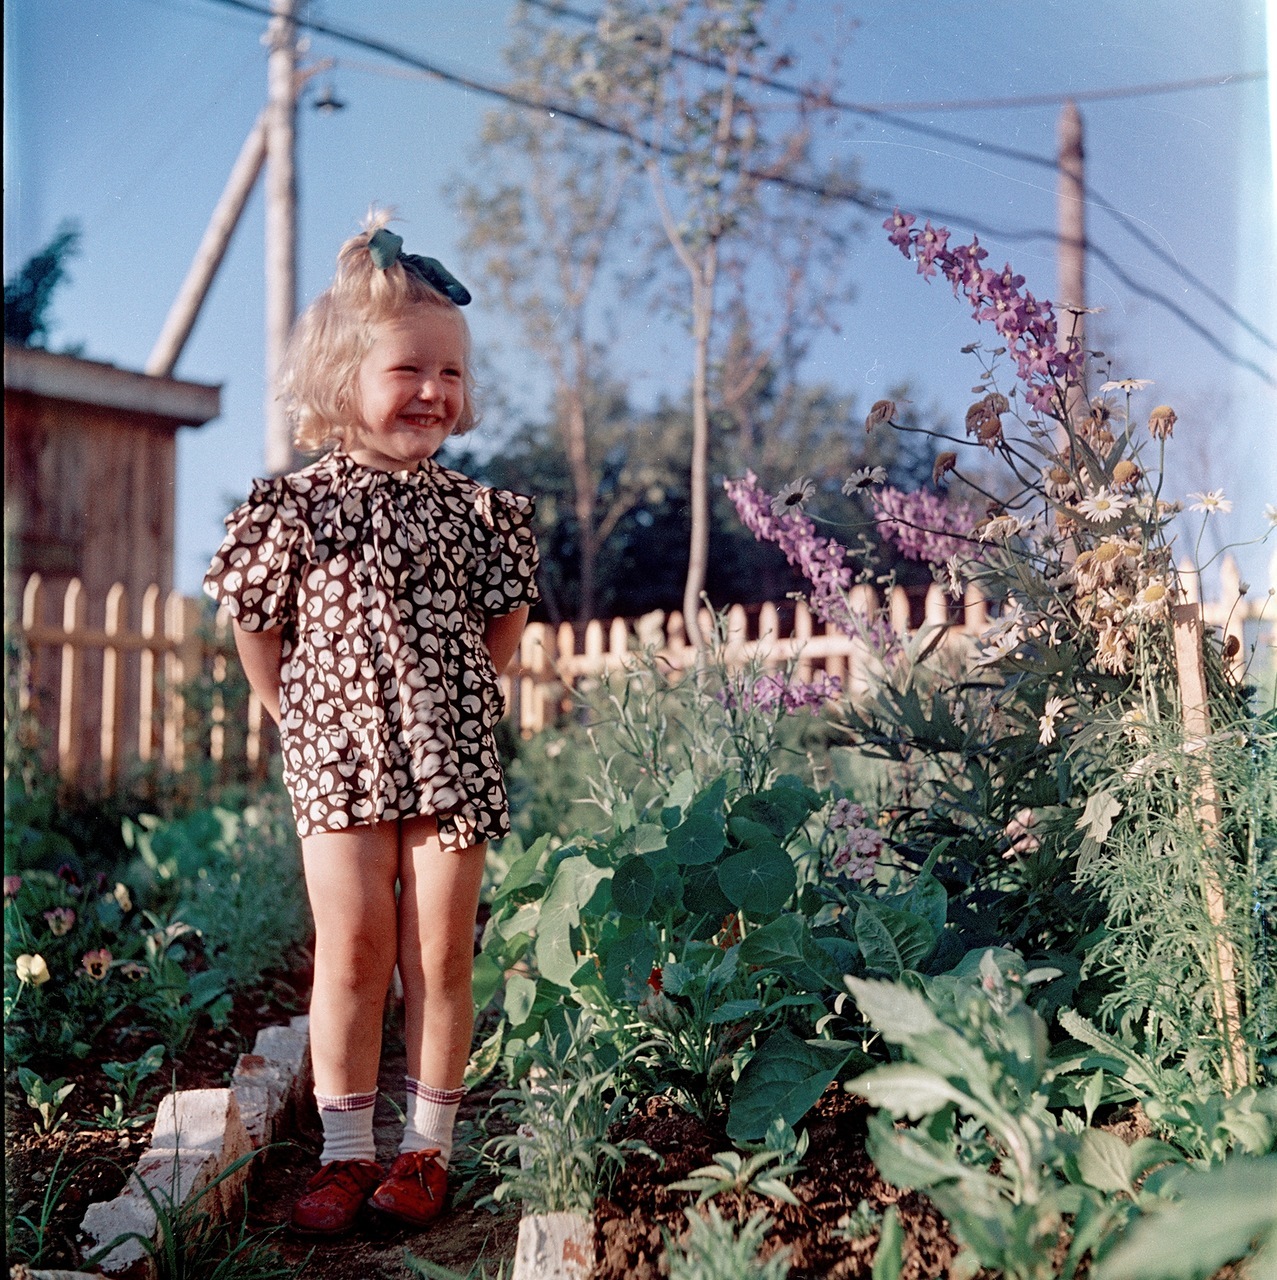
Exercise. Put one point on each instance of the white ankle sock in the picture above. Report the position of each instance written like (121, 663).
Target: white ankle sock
(431, 1114)
(347, 1121)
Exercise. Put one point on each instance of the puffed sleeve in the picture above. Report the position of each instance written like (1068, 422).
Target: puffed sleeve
(256, 569)
(505, 576)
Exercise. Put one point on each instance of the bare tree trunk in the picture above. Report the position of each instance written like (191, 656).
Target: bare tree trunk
(698, 544)
(576, 441)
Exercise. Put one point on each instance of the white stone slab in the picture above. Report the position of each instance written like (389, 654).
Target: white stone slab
(554, 1246)
(208, 1120)
(107, 1219)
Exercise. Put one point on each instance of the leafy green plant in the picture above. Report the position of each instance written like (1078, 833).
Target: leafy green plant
(861, 1222)
(45, 1098)
(565, 1104)
(1013, 1183)
(716, 1248)
(128, 1076)
(38, 1229)
(765, 1173)
(192, 1240)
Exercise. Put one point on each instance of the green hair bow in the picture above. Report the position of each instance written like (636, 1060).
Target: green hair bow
(385, 246)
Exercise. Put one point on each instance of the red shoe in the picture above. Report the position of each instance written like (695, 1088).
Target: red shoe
(334, 1197)
(415, 1190)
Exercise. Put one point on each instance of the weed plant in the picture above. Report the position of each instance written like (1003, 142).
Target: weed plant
(716, 1248)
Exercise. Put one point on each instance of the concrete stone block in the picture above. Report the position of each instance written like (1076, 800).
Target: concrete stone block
(554, 1246)
(261, 1090)
(108, 1219)
(20, 1271)
(175, 1177)
(289, 1049)
(208, 1120)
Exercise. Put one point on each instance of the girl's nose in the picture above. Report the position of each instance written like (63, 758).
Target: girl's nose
(429, 391)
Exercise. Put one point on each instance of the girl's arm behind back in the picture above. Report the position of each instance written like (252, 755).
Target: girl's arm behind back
(502, 635)
(260, 652)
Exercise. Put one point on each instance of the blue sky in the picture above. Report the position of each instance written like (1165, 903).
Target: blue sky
(127, 116)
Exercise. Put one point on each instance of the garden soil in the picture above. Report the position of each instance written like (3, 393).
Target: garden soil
(639, 1210)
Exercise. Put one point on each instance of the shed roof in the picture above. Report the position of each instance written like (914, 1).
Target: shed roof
(95, 382)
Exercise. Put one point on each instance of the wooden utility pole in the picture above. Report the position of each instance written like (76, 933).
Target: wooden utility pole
(1190, 667)
(1072, 237)
(281, 222)
(208, 257)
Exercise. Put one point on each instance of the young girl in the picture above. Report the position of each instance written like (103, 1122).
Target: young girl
(376, 596)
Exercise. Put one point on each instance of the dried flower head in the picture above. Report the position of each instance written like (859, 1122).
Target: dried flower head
(1161, 422)
(1126, 475)
(881, 411)
(945, 462)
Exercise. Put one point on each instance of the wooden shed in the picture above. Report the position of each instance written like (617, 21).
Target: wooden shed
(90, 461)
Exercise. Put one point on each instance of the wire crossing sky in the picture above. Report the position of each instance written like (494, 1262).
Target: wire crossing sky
(127, 117)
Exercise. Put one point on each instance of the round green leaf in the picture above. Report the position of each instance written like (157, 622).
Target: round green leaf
(669, 892)
(697, 840)
(759, 880)
(633, 886)
(702, 893)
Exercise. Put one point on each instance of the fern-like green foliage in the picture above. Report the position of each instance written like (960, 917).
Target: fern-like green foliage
(715, 1248)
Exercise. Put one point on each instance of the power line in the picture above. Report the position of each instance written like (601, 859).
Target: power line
(885, 114)
(821, 190)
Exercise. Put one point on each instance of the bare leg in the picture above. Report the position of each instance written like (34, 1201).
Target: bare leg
(438, 901)
(350, 880)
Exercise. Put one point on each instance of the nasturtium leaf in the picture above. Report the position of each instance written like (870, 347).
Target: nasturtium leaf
(747, 832)
(628, 965)
(710, 801)
(702, 893)
(779, 809)
(668, 895)
(758, 880)
(575, 882)
(678, 798)
(520, 994)
(633, 887)
(784, 1078)
(649, 837)
(698, 839)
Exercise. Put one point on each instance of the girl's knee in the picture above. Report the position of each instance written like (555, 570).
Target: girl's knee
(355, 963)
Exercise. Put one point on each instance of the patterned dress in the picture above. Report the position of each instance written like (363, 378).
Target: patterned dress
(382, 582)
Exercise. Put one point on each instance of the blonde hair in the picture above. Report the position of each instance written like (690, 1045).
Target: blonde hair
(318, 380)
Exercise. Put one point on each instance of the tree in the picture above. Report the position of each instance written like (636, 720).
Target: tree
(29, 293)
(685, 81)
(540, 227)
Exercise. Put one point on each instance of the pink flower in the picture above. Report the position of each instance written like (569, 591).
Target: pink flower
(12, 886)
(898, 224)
(60, 920)
(861, 869)
(923, 525)
(846, 814)
(97, 963)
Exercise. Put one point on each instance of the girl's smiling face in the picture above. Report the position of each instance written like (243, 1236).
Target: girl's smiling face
(411, 388)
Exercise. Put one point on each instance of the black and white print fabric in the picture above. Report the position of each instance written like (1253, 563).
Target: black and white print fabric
(382, 583)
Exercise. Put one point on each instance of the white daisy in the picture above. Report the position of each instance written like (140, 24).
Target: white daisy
(1211, 503)
(1103, 506)
(1127, 384)
(1046, 722)
(863, 478)
(1270, 514)
(793, 497)
(1000, 528)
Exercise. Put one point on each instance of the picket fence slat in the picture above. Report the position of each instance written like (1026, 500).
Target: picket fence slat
(115, 697)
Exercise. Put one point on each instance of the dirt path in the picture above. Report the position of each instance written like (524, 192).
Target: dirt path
(374, 1251)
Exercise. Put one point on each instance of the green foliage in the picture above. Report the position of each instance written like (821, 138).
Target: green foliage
(45, 1098)
(715, 1248)
(235, 878)
(565, 1105)
(128, 1076)
(764, 1172)
(1221, 1215)
(28, 293)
